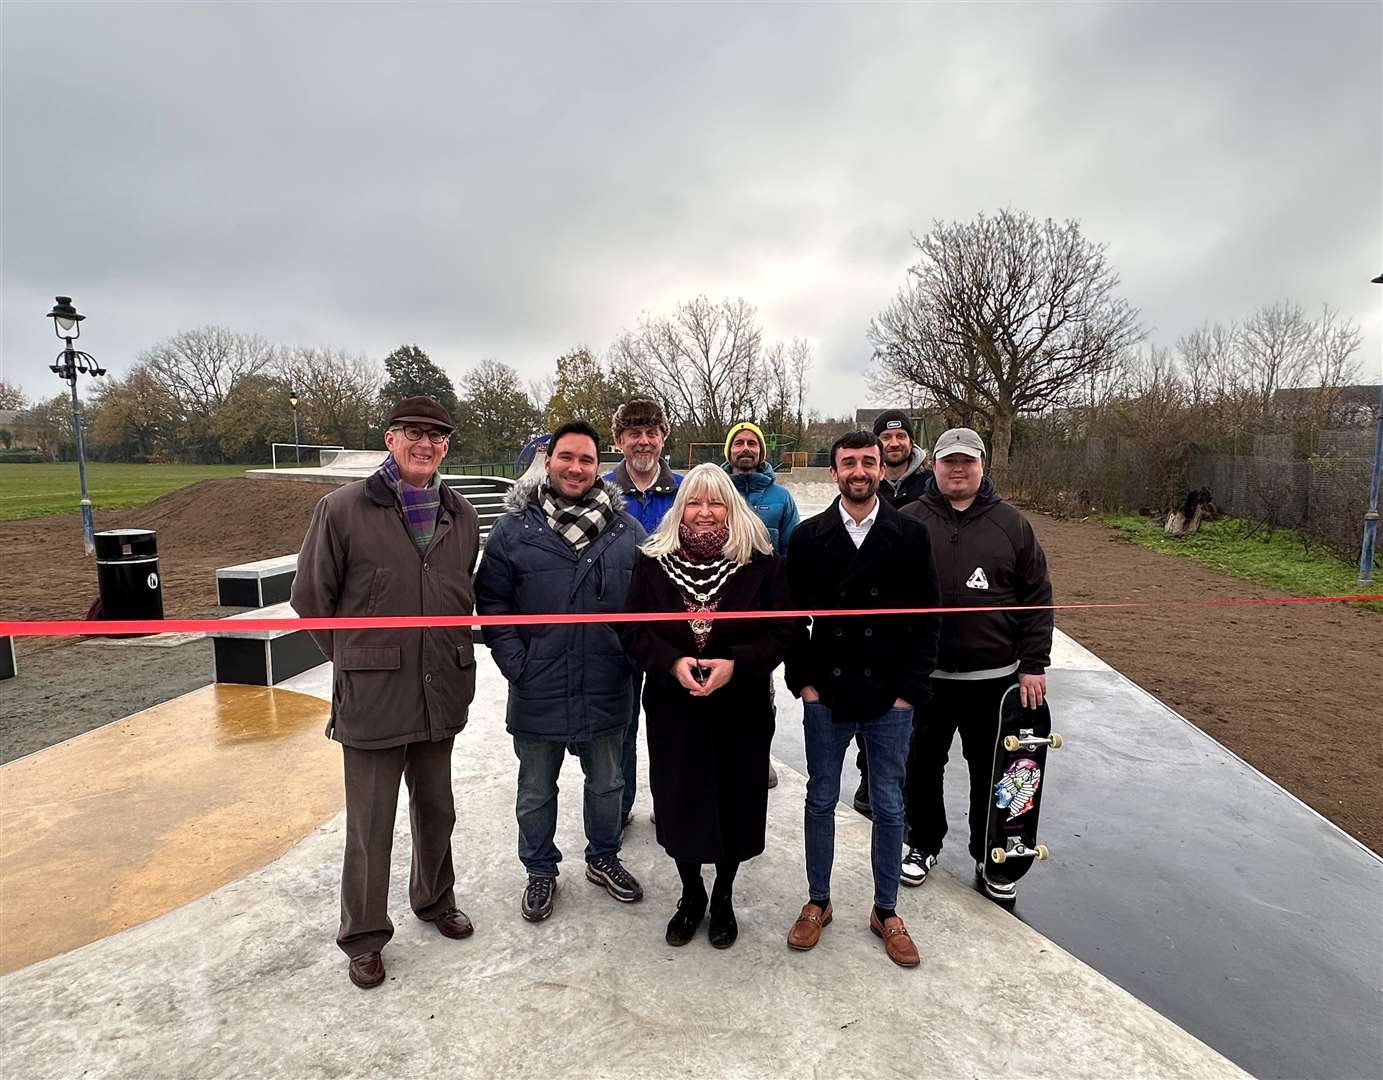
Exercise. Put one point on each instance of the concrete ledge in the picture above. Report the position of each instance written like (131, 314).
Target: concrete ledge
(256, 584)
(261, 657)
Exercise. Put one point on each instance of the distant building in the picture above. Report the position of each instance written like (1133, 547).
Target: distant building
(1347, 406)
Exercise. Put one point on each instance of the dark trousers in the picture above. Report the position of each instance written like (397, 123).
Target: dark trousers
(372, 800)
(629, 753)
(540, 764)
(973, 708)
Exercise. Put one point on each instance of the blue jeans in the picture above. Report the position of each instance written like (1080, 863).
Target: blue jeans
(629, 754)
(886, 742)
(540, 763)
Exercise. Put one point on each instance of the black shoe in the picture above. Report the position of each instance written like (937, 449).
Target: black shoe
(723, 929)
(861, 801)
(537, 898)
(610, 873)
(681, 928)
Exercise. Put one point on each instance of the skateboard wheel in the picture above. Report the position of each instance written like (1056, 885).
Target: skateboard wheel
(997, 855)
(1042, 852)
(1010, 743)
(1056, 742)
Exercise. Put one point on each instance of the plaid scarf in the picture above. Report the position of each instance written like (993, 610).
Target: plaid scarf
(578, 521)
(419, 504)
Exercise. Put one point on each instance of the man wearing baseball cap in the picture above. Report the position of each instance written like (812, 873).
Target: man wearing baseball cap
(986, 556)
(399, 542)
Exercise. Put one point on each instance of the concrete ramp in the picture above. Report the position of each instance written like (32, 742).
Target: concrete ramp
(247, 980)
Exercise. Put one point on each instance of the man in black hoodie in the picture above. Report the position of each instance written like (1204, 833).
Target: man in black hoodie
(986, 555)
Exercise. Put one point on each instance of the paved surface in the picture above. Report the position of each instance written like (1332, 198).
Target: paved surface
(247, 981)
(1191, 879)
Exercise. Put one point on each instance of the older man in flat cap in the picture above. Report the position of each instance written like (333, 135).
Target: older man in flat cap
(396, 543)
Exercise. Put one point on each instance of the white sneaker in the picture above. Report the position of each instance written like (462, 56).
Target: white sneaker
(1003, 891)
(916, 865)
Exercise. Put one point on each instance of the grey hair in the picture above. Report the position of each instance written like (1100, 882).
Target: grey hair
(748, 533)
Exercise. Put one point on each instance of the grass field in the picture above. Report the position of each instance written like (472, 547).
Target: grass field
(1282, 560)
(36, 490)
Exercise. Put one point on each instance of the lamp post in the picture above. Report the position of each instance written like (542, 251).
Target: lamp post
(297, 450)
(67, 324)
(1371, 514)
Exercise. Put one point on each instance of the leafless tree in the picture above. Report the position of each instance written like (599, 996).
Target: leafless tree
(1275, 350)
(338, 393)
(1004, 315)
(702, 361)
(198, 368)
(1337, 340)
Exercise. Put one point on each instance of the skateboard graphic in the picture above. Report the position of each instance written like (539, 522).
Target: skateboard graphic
(1016, 785)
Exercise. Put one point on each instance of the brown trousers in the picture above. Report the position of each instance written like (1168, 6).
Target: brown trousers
(372, 800)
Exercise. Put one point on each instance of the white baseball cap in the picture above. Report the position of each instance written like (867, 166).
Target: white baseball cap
(959, 440)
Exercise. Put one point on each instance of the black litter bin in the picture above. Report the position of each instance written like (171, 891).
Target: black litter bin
(127, 572)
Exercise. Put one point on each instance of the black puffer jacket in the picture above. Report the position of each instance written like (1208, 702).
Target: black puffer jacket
(987, 556)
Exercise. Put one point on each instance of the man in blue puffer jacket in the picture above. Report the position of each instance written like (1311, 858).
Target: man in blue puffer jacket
(745, 461)
(565, 545)
(746, 452)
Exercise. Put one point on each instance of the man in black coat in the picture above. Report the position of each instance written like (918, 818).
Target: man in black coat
(986, 554)
(860, 674)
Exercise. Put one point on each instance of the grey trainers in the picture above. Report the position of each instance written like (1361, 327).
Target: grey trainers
(916, 865)
(1005, 892)
(537, 898)
(609, 873)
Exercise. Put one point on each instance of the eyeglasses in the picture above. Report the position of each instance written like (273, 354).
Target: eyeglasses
(413, 433)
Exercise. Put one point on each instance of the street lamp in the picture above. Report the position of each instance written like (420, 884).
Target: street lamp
(297, 450)
(67, 324)
(1371, 514)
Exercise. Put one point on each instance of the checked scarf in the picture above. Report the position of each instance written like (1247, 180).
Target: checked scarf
(578, 521)
(419, 504)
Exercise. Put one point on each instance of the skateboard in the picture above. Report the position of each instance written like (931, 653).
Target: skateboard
(1016, 785)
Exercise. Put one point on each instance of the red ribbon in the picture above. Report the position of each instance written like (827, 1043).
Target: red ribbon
(108, 627)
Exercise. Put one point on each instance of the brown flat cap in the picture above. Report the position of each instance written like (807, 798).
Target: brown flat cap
(421, 410)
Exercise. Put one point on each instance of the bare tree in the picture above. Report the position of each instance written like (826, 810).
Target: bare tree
(338, 393)
(1004, 315)
(1337, 340)
(12, 396)
(1275, 349)
(703, 362)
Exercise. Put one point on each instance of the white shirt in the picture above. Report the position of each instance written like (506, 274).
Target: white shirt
(857, 532)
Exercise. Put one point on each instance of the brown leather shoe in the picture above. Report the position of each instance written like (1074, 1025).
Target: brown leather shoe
(806, 931)
(367, 970)
(454, 924)
(897, 944)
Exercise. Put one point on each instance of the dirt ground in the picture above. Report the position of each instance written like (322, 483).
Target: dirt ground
(1292, 689)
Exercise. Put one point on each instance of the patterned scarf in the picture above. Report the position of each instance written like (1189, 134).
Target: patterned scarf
(419, 504)
(578, 521)
(700, 572)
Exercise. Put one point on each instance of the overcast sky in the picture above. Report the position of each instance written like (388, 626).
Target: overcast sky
(511, 181)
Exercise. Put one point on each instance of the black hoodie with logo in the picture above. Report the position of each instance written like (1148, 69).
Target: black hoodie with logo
(987, 556)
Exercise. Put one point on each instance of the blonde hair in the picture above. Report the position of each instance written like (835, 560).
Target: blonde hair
(748, 533)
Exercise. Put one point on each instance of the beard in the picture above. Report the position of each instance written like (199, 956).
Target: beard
(859, 493)
(896, 455)
(644, 463)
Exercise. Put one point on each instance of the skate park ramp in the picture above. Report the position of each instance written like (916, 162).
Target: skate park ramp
(247, 980)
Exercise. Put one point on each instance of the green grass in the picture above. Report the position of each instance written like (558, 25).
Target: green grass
(36, 490)
(1282, 561)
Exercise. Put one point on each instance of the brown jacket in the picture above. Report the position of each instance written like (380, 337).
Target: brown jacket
(391, 686)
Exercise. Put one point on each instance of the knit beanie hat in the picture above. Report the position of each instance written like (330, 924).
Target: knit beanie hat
(893, 419)
(746, 425)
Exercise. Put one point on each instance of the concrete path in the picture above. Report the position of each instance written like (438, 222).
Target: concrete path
(247, 981)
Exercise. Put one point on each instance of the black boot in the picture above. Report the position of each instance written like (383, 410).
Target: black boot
(723, 929)
(681, 928)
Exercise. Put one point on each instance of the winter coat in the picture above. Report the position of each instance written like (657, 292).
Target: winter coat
(647, 507)
(908, 487)
(390, 687)
(772, 502)
(568, 682)
(860, 665)
(707, 757)
(987, 555)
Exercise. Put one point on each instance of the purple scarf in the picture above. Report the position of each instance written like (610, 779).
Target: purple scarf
(419, 504)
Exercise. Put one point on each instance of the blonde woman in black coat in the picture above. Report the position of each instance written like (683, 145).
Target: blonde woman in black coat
(708, 695)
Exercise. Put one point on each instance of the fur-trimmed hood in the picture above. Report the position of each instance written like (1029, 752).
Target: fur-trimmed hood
(524, 493)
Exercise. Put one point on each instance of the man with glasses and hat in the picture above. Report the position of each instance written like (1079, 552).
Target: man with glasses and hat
(399, 542)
